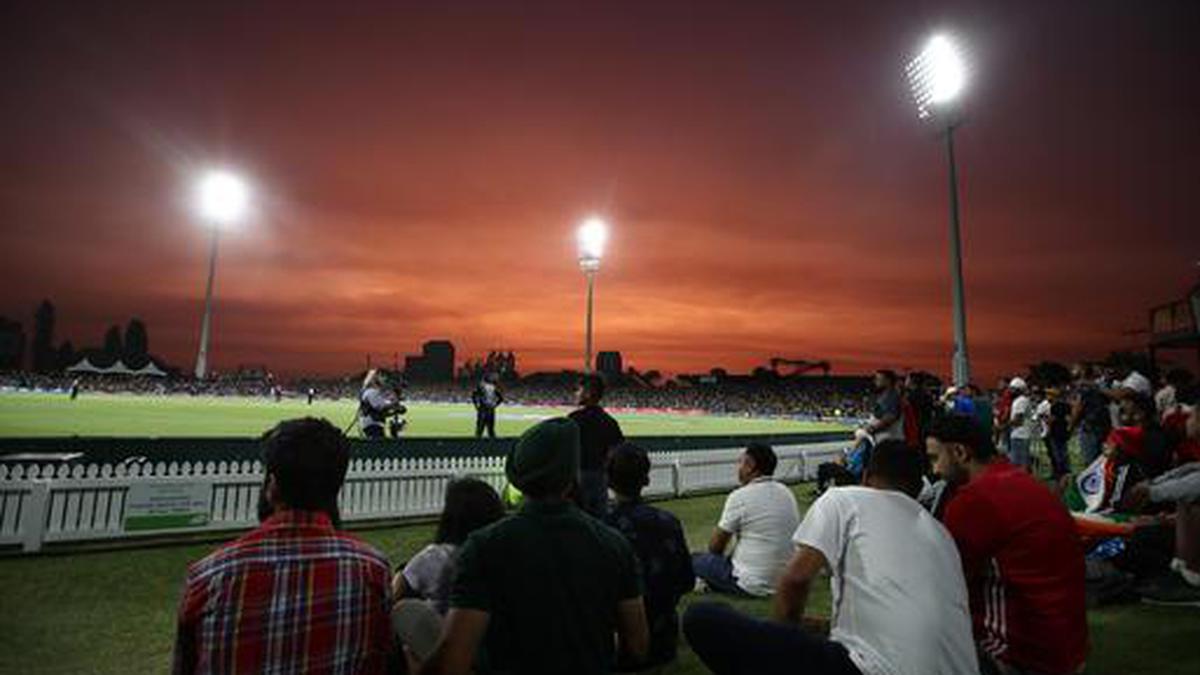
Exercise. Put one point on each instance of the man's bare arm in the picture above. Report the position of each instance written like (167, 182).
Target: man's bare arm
(455, 653)
(719, 541)
(633, 631)
(791, 595)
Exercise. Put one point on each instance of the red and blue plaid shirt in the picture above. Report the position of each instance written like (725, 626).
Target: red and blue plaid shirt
(293, 596)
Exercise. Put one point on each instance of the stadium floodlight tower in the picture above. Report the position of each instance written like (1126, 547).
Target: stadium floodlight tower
(592, 236)
(222, 200)
(938, 76)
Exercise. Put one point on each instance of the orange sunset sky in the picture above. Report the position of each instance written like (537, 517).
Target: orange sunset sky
(419, 169)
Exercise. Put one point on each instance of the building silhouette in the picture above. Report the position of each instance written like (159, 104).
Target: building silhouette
(434, 364)
(609, 364)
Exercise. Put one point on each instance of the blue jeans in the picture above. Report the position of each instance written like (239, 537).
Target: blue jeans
(717, 572)
(730, 643)
(1018, 451)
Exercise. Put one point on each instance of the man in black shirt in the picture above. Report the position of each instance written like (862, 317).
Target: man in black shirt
(1058, 433)
(599, 433)
(486, 397)
(662, 551)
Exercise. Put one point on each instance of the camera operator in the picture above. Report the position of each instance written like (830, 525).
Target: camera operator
(376, 403)
(486, 397)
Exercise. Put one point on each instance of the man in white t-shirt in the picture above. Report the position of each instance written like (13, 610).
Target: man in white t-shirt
(1021, 424)
(761, 514)
(899, 599)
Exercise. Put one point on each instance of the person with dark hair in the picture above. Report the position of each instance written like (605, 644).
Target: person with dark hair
(900, 602)
(1089, 412)
(762, 513)
(1058, 434)
(486, 398)
(238, 610)
(376, 403)
(1180, 585)
(470, 505)
(545, 590)
(1021, 557)
(887, 417)
(599, 433)
(662, 551)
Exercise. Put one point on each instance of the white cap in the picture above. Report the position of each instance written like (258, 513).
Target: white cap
(1139, 383)
(1018, 383)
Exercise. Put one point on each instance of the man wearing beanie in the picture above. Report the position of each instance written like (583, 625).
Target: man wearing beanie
(544, 590)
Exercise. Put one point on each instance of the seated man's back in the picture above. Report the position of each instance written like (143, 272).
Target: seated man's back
(551, 578)
(294, 595)
(762, 514)
(1024, 568)
(899, 600)
(1021, 556)
(662, 551)
(548, 590)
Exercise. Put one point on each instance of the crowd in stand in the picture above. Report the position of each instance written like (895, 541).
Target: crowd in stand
(947, 554)
(806, 397)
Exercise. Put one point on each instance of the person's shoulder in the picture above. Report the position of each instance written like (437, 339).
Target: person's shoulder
(663, 518)
(349, 544)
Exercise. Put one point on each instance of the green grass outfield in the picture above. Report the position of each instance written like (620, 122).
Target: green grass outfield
(113, 612)
(126, 415)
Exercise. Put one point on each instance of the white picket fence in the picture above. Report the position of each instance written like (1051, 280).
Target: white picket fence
(51, 504)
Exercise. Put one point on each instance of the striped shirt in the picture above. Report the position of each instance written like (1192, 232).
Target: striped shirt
(293, 596)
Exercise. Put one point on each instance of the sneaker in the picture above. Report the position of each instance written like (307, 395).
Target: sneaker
(1171, 590)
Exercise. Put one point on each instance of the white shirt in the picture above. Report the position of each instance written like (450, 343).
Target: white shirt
(762, 514)
(377, 399)
(899, 598)
(429, 573)
(1165, 399)
(1042, 416)
(1022, 405)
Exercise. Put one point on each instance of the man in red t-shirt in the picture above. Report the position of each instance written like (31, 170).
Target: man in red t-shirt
(1022, 560)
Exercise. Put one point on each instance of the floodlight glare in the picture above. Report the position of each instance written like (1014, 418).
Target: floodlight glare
(937, 75)
(222, 198)
(592, 236)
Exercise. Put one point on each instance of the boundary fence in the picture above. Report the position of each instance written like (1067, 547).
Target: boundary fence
(43, 506)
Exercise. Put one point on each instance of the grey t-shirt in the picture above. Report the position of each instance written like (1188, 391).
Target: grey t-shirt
(430, 573)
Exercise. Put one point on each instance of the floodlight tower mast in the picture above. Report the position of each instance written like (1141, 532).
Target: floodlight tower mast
(938, 76)
(592, 236)
(222, 200)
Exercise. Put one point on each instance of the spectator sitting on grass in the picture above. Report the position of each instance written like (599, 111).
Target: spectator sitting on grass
(470, 504)
(762, 514)
(294, 595)
(899, 599)
(1181, 585)
(657, 539)
(1021, 557)
(544, 590)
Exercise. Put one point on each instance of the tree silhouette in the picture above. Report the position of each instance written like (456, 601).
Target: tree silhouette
(137, 343)
(1050, 374)
(44, 357)
(112, 342)
(12, 344)
(65, 356)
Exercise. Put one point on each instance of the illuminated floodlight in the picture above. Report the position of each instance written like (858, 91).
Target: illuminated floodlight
(937, 75)
(592, 236)
(222, 198)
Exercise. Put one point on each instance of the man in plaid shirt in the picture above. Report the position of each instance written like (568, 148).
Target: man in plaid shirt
(294, 595)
